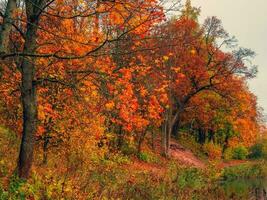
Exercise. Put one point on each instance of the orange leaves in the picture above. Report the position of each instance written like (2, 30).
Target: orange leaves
(214, 151)
(118, 14)
(68, 25)
(45, 110)
(154, 110)
(40, 130)
(126, 74)
(129, 78)
(176, 69)
(193, 52)
(109, 106)
(143, 91)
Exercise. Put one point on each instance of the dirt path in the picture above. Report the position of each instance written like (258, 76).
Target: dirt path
(232, 163)
(185, 156)
(181, 155)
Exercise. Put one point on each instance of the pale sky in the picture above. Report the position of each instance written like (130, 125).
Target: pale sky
(247, 20)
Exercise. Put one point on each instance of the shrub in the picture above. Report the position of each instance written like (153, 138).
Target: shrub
(213, 151)
(228, 154)
(259, 150)
(148, 157)
(128, 149)
(240, 153)
(190, 178)
(245, 171)
(117, 158)
(3, 193)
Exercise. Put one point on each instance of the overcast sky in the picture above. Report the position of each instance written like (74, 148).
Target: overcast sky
(247, 20)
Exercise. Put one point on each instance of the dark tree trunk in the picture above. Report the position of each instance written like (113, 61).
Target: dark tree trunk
(45, 147)
(211, 136)
(176, 127)
(28, 92)
(226, 143)
(29, 125)
(7, 25)
(201, 136)
(176, 124)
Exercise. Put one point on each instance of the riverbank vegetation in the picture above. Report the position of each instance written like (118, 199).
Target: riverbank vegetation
(106, 175)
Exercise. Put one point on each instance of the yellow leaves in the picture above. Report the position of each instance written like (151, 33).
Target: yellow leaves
(45, 110)
(118, 14)
(87, 99)
(165, 58)
(110, 105)
(94, 93)
(41, 112)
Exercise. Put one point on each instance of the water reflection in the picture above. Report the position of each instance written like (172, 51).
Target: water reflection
(246, 189)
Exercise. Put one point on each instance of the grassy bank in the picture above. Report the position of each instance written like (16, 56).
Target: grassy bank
(94, 174)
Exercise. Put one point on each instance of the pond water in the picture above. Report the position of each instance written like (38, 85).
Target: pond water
(247, 189)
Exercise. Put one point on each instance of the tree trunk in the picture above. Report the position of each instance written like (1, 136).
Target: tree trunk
(176, 127)
(201, 136)
(177, 121)
(140, 142)
(153, 140)
(164, 139)
(28, 94)
(168, 140)
(7, 25)
(45, 147)
(226, 143)
(167, 131)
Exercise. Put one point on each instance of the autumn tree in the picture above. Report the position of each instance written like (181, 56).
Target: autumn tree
(192, 61)
(80, 32)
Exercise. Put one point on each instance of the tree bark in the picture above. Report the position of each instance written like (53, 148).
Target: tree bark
(140, 141)
(167, 131)
(176, 127)
(177, 120)
(226, 143)
(7, 25)
(164, 138)
(28, 92)
(168, 140)
(201, 136)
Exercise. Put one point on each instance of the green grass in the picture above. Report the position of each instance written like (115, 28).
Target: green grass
(248, 171)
